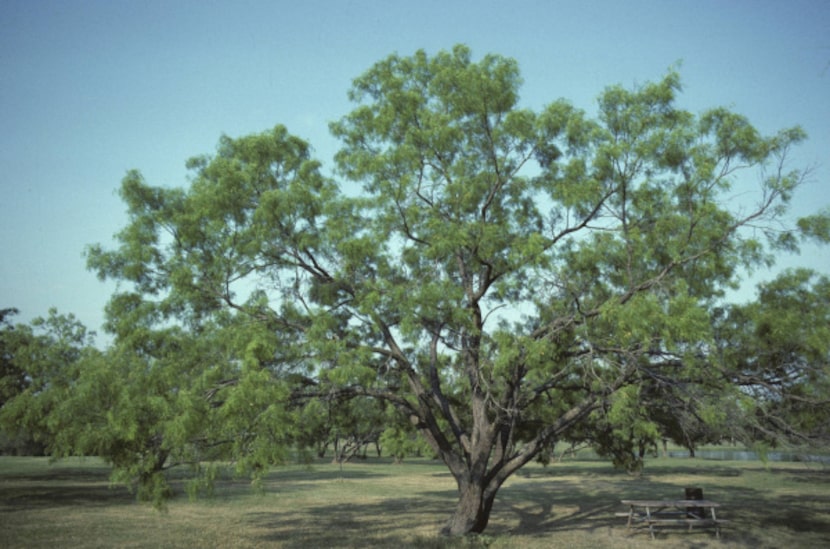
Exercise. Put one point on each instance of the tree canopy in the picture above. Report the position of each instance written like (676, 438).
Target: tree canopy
(504, 278)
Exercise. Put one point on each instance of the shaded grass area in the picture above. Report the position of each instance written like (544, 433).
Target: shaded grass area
(379, 504)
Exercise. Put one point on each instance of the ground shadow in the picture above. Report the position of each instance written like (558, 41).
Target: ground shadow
(381, 524)
(29, 496)
(548, 506)
(537, 503)
(544, 505)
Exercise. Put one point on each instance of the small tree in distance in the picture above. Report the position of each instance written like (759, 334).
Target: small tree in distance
(502, 278)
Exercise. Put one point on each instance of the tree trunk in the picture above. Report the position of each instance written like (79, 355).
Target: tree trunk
(472, 513)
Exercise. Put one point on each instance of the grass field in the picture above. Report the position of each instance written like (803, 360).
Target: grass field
(378, 504)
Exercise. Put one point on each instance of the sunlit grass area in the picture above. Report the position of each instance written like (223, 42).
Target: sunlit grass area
(375, 503)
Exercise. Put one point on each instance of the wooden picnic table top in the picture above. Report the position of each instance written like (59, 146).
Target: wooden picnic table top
(670, 503)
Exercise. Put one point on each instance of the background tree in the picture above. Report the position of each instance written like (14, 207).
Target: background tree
(144, 405)
(504, 275)
(638, 419)
(399, 438)
(691, 417)
(42, 360)
(156, 399)
(355, 424)
(777, 350)
(13, 381)
(12, 378)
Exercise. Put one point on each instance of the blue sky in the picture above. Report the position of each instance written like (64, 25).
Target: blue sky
(91, 89)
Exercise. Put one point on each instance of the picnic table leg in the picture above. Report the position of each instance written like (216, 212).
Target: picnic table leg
(717, 526)
(650, 524)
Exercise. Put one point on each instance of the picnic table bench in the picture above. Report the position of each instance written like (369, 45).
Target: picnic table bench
(686, 512)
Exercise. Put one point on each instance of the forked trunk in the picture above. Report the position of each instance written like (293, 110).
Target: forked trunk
(472, 513)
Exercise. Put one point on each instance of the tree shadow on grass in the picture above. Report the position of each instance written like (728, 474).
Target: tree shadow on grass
(28, 496)
(544, 506)
(386, 523)
(59, 473)
(692, 470)
(811, 476)
(60, 484)
(537, 504)
(702, 468)
(549, 506)
(321, 475)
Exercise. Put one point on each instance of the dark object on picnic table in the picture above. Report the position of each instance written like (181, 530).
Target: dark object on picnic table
(695, 493)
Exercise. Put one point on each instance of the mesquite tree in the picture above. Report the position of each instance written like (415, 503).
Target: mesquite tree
(499, 275)
(777, 349)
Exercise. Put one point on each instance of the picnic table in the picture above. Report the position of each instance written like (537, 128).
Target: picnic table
(690, 512)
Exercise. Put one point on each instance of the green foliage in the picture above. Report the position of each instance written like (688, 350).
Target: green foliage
(345, 425)
(146, 404)
(49, 354)
(816, 226)
(777, 349)
(400, 439)
(625, 430)
(12, 377)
